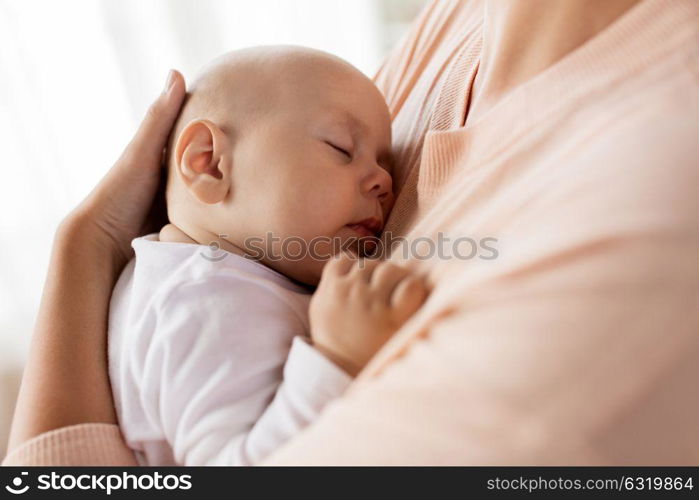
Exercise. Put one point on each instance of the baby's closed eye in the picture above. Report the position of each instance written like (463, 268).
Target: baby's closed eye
(344, 150)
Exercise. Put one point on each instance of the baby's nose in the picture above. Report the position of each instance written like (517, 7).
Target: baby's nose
(382, 189)
(380, 184)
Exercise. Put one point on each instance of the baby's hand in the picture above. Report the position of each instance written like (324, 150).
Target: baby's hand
(358, 305)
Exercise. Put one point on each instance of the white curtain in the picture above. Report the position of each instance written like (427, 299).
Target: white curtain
(76, 77)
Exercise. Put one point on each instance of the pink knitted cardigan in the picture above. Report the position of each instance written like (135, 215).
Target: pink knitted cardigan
(578, 343)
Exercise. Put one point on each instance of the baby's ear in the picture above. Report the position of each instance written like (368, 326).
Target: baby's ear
(203, 160)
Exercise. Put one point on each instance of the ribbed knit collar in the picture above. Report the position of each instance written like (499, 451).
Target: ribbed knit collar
(647, 32)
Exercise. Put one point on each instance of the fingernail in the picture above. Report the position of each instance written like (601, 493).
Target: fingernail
(170, 81)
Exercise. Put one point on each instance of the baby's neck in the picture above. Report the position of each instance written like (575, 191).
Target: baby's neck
(170, 233)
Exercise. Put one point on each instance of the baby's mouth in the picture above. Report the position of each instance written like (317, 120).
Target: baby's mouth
(370, 227)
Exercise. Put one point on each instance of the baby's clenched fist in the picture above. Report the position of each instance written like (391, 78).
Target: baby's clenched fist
(358, 305)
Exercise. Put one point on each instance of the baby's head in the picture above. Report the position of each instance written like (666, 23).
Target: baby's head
(281, 145)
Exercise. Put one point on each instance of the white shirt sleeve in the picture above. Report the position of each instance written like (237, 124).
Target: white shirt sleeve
(212, 376)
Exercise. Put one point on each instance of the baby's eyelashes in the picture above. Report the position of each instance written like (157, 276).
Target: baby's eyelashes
(340, 149)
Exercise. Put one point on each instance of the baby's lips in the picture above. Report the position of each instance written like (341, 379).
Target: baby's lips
(361, 230)
(370, 226)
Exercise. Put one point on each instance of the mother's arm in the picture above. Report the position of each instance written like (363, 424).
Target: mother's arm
(66, 381)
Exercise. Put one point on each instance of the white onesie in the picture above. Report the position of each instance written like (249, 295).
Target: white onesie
(207, 357)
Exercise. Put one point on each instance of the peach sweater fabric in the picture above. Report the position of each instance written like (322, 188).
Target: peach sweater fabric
(579, 343)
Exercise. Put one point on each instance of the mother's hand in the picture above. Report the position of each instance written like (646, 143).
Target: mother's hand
(66, 381)
(124, 204)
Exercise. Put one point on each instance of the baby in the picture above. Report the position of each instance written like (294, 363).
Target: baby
(279, 160)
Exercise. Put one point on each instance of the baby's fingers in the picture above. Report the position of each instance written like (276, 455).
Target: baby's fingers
(363, 269)
(408, 296)
(339, 265)
(386, 278)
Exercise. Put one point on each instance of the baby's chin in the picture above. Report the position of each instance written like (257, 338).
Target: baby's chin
(364, 247)
(308, 268)
(360, 245)
(345, 240)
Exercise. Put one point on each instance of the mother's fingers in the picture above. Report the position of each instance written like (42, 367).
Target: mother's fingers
(150, 140)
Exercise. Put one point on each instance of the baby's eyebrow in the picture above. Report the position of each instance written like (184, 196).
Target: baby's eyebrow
(353, 123)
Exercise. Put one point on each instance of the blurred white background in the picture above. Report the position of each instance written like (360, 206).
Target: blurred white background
(75, 79)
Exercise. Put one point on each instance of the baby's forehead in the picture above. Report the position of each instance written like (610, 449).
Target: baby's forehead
(271, 75)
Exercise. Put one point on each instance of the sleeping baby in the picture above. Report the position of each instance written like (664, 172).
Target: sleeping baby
(279, 176)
